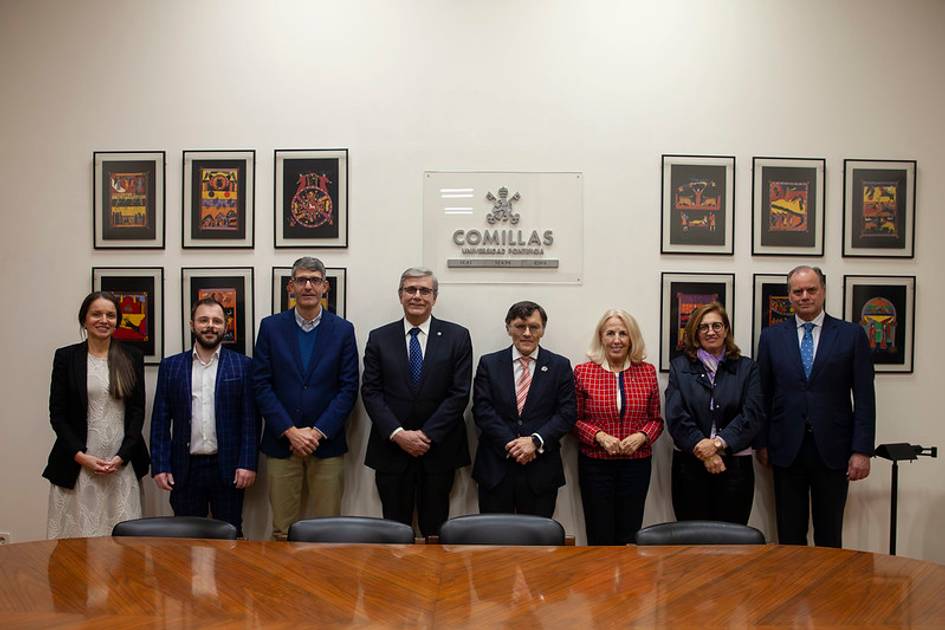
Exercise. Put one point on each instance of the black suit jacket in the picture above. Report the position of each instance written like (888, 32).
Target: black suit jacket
(68, 414)
(550, 411)
(838, 401)
(737, 414)
(436, 406)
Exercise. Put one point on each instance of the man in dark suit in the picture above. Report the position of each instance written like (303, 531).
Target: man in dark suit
(305, 371)
(206, 395)
(817, 441)
(417, 372)
(523, 404)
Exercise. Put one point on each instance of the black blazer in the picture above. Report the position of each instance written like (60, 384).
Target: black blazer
(738, 414)
(838, 401)
(436, 406)
(68, 414)
(550, 411)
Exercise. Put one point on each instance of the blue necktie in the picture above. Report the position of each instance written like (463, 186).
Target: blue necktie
(416, 357)
(807, 348)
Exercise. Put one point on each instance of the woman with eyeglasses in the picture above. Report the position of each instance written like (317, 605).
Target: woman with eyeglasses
(618, 419)
(96, 408)
(713, 412)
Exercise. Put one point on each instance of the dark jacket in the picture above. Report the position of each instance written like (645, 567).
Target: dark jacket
(436, 406)
(68, 414)
(549, 411)
(738, 413)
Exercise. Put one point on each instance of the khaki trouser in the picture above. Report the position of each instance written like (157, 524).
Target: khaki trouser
(302, 487)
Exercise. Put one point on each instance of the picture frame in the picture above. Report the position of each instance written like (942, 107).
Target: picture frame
(885, 307)
(233, 287)
(128, 205)
(680, 294)
(335, 301)
(310, 198)
(218, 192)
(770, 304)
(140, 292)
(697, 204)
(788, 206)
(879, 208)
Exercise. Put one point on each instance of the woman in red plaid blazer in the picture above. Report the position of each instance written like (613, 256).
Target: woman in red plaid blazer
(618, 419)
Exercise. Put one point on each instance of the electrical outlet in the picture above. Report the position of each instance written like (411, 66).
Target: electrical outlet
(5, 538)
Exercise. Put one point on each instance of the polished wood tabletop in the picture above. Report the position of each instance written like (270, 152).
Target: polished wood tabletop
(145, 582)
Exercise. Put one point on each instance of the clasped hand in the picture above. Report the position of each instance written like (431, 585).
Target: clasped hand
(708, 452)
(98, 465)
(627, 446)
(522, 449)
(415, 443)
(303, 441)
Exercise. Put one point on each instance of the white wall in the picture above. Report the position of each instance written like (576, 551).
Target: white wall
(599, 87)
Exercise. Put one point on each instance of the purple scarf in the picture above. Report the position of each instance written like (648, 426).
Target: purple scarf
(710, 362)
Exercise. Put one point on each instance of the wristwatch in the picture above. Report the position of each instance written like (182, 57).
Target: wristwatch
(719, 444)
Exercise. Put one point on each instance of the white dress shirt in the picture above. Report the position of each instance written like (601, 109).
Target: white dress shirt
(307, 325)
(517, 373)
(422, 340)
(818, 326)
(203, 420)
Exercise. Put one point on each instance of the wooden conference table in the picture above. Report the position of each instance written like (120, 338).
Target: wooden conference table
(144, 582)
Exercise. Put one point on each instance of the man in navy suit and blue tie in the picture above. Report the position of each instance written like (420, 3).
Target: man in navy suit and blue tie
(305, 370)
(817, 380)
(417, 372)
(204, 428)
(523, 404)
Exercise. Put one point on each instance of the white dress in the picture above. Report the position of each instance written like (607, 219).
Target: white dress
(97, 503)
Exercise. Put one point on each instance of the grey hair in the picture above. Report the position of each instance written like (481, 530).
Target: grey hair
(309, 263)
(419, 272)
(800, 268)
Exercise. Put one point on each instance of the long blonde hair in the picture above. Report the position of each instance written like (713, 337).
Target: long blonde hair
(637, 348)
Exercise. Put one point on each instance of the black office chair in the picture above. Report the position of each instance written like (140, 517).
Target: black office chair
(700, 533)
(351, 529)
(176, 527)
(501, 529)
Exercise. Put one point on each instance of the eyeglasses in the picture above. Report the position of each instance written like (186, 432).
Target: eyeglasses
(301, 281)
(424, 291)
(532, 328)
(715, 326)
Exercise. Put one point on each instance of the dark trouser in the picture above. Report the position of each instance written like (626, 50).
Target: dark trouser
(430, 492)
(613, 492)
(808, 482)
(698, 495)
(205, 489)
(514, 495)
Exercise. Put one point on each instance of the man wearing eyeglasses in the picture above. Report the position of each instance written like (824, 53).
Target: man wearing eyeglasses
(305, 372)
(417, 372)
(523, 404)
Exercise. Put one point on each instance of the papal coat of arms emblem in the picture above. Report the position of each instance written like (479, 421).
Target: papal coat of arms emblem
(502, 207)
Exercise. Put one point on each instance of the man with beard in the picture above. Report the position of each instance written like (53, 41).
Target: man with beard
(206, 394)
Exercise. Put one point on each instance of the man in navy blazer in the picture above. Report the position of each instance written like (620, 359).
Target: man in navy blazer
(523, 404)
(417, 372)
(204, 428)
(812, 366)
(305, 371)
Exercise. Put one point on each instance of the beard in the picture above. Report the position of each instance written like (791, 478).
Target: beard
(209, 344)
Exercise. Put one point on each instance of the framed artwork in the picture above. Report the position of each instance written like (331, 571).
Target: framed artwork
(697, 204)
(682, 293)
(879, 208)
(140, 292)
(233, 288)
(885, 307)
(128, 199)
(218, 190)
(311, 198)
(770, 305)
(335, 299)
(787, 217)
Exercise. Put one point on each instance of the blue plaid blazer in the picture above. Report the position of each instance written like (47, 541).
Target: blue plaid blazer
(235, 409)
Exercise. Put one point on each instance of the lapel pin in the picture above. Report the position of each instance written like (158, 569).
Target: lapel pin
(439, 333)
(544, 368)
